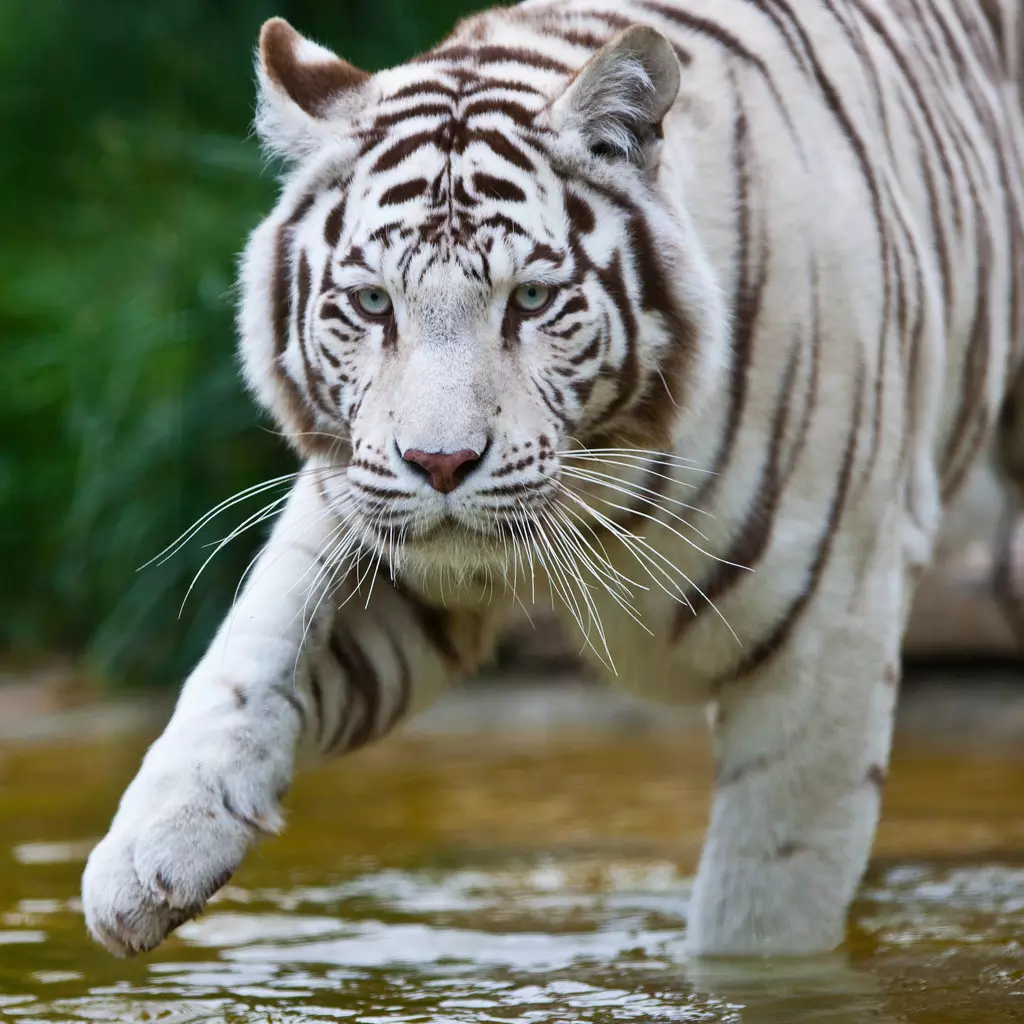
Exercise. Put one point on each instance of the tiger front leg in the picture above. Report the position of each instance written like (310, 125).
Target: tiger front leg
(274, 687)
(801, 754)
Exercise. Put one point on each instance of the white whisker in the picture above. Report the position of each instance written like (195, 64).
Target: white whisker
(647, 471)
(574, 557)
(267, 512)
(555, 579)
(671, 529)
(559, 573)
(637, 454)
(631, 491)
(635, 545)
(249, 492)
(650, 555)
(610, 577)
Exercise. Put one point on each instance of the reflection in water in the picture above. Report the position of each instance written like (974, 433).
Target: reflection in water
(449, 881)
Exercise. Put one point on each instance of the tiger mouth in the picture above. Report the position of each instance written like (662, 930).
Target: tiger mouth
(447, 532)
(447, 528)
(450, 529)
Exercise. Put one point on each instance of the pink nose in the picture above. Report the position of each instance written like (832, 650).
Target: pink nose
(446, 471)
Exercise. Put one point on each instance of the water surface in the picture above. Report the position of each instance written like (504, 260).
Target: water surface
(513, 878)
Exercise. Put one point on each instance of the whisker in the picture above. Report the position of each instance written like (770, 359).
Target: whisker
(376, 569)
(622, 601)
(635, 545)
(249, 492)
(555, 578)
(267, 512)
(640, 454)
(668, 390)
(527, 562)
(337, 439)
(630, 539)
(513, 535)
(647, 471)
(335, 561)
(238, 587)
(588, 476)
(598, 541)
(565, 572)
(602, 564)
(309, 523)
(671, 529)
(574, 558)
(333, 554)
(262, 515)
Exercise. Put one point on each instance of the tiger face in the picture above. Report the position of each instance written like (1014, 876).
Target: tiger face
(467, 278)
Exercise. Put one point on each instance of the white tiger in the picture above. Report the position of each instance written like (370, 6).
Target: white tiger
(695, 313)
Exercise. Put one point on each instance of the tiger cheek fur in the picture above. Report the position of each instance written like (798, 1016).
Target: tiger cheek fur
(585, 298)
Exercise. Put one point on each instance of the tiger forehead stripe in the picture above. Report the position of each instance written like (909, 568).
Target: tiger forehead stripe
(454, 131)
(398, 194)
(492, 54)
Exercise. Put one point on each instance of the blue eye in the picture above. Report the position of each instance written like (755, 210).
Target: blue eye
(531, 297)
(373, 301)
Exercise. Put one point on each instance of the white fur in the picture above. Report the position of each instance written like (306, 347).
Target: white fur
(860, 436)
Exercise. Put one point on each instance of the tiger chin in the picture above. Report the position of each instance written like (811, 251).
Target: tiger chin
(689, 317)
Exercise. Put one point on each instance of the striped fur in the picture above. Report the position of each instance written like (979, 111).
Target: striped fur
(775, 250)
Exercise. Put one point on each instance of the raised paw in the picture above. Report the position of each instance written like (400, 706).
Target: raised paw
(170, 848)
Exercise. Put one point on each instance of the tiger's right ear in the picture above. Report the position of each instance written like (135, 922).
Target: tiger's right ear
(304, 89)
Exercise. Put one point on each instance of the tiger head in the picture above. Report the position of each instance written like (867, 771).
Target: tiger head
(472, 272)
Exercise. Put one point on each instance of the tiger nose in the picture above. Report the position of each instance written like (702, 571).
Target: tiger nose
(446, 470)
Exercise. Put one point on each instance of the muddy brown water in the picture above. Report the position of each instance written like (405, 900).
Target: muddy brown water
(514, 876)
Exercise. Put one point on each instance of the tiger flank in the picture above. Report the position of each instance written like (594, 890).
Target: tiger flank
(693, 315)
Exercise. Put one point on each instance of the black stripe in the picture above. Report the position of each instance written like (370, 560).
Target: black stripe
(312, 378)
(498, 188)
(814, 373)
(504, 147)
(746, 306)
(281, 301)
(434, 622)
(360, 678)
(393, 117)
(401, 708)
(333, 224)
(401, 150)
(754, 533)
(401, 193)
(318, 703)
(492, 54)
(774, 641)
(426, 88)
(628, 373)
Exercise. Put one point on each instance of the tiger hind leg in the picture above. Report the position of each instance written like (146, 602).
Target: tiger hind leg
(971, 602)
(1008, 577)
(801, 758)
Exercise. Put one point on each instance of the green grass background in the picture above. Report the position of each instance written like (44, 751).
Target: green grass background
(128, 182)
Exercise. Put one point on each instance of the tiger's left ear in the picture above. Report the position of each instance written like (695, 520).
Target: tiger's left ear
(303, 90)
(618, 99)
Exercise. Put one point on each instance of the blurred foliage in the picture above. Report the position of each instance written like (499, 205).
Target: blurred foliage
(129, 184)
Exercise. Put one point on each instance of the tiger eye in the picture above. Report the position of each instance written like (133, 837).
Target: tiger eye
(531, 297)
(373, 301)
